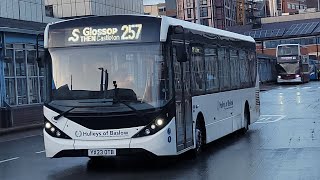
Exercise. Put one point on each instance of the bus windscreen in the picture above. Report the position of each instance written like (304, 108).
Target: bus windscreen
(288, 50)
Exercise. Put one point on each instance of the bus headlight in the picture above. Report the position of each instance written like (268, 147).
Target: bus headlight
(153, 127)
(297, 75)
(279, 77)
(159, 122)
(54, 131)
(48, 125)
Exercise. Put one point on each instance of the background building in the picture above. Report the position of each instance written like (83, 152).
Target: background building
(293, 6)
(312, 4)
(171, 8)
(218, 13)
(301, 29)
(72, 8)
(224, 13)
(27, 10)
(155, 10)
(21, 80)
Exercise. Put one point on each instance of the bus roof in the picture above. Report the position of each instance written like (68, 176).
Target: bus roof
(166, 22)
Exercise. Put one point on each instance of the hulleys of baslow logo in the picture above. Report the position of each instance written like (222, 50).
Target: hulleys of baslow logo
(101, 134)
(118, 33)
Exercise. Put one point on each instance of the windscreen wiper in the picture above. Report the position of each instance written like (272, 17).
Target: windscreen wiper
(132, 108)
(63, 113)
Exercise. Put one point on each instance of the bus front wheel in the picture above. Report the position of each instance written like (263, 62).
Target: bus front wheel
(199, 138)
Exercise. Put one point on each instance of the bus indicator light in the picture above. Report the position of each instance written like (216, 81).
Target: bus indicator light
(147, 131)
(58, 134)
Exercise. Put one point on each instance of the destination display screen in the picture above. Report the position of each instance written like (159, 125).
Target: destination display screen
(128, 32)
(104, 30)
(288, 59)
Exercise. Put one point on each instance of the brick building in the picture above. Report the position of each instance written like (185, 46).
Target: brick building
(219, 13)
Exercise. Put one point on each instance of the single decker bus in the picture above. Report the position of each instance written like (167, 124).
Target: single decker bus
(126, 85)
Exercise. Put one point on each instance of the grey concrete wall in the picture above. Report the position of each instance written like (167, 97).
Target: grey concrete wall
(28, 10)
(74, 8)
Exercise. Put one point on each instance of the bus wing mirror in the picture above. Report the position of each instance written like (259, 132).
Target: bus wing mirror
(181, 50)
(181, 53)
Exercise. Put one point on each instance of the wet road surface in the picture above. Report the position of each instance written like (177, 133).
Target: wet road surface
(283, 144)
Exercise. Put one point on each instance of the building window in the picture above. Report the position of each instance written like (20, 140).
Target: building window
(189, 13)
(162, 9)
(204, 2)
(49, 10)
(188, 3)
(204, 22)
(204, 12)
(289, 6)
(23, 78)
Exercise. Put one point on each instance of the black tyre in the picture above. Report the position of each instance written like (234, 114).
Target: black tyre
(246, 120)
(199, 140)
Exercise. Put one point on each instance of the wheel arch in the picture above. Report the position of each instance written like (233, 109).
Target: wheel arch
(201, 120)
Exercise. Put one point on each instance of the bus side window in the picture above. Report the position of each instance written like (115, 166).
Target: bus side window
(224, 68)
(197, 70)
(244, 68)
(234, 69)
(211, 70)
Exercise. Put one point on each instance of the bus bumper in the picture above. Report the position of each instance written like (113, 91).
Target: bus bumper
(163, 143)
(298, 79)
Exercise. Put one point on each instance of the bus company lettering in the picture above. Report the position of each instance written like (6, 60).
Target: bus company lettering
(90, 34)
(225, 104)
(109, 133)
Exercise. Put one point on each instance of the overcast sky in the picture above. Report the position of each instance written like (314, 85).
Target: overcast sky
(145, 2)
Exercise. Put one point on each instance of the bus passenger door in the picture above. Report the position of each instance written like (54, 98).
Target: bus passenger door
(182, 84)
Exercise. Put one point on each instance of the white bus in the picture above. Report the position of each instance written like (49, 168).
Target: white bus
(122, 85)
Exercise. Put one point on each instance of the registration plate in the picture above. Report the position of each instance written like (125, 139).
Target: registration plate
(102, 152)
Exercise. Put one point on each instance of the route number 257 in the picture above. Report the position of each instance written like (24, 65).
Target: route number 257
(131, 32)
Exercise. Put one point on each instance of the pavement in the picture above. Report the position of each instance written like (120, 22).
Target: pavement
(6, 131)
